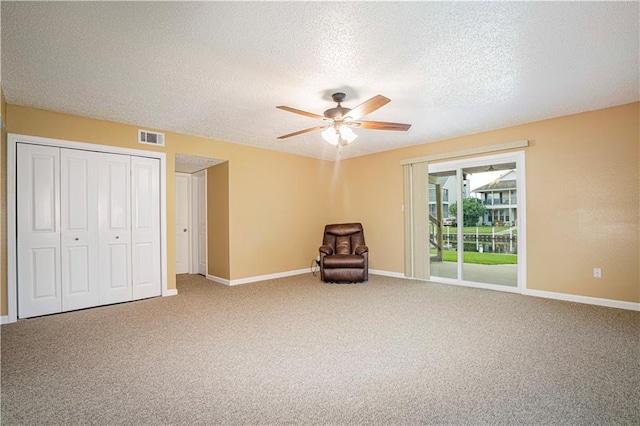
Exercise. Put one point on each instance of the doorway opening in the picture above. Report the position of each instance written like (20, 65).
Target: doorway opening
(191, 227)
(481, 244)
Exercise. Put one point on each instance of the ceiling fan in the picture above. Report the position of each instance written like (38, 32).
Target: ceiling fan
(339, 120)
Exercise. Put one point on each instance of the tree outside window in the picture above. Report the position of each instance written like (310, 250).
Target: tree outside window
(472, 211)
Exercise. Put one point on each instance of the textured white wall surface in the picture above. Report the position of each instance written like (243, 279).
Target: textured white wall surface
(218, 69)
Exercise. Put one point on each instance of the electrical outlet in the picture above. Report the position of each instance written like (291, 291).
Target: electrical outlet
(597, 273)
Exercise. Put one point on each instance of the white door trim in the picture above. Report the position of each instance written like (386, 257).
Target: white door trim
(12, 140)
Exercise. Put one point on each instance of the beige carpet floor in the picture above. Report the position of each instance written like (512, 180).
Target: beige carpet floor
(297, 351)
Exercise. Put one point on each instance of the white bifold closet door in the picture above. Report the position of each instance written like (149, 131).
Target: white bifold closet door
(145, 227)
(79, 229)
(88, 229)
(38, 229)
(115, 227)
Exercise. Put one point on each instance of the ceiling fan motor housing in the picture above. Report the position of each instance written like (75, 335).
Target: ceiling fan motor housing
(339, 112)
(338, 97)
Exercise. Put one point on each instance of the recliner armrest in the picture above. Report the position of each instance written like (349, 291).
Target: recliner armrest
(361, 249)
(326, 250)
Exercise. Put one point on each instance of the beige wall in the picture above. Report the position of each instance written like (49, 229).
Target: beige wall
(276, 209)
(278, 205)
(583, 197)
(218, 221)
(582, 176)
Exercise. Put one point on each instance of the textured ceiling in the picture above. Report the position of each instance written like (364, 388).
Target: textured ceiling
(218, 69)
(192, 164)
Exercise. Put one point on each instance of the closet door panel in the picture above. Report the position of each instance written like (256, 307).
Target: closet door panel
(145, 231)
(79, 224)
(202, 222)
(182, 212)
(77, 277)
(38, 230)
(114, 213)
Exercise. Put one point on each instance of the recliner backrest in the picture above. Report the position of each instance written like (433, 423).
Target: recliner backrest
(343, 238)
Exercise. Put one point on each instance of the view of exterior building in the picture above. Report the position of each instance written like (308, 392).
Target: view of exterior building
(500, 199)
(449, 194)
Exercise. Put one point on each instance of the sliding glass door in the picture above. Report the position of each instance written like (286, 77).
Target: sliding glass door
(443, 242)
(481, 243)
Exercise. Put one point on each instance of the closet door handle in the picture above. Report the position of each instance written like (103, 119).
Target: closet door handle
(184, 230)
(117, 237)
(77, 238)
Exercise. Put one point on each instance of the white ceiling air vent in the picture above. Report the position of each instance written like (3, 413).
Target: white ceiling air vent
(150, 138)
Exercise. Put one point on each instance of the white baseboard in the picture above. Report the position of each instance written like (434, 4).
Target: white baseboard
(257, 278)
(269, 276)
(218, 279)
(170, 292)
(387, 273)
(610, 303)
(4, 319)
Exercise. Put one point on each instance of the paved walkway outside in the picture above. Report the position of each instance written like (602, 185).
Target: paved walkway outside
(491, 274)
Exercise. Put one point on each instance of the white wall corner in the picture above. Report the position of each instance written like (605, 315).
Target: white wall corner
(170, 292)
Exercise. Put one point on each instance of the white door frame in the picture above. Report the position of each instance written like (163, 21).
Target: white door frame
(12, 140)
(486, 160)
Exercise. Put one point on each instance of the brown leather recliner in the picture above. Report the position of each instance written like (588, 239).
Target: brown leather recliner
(344, 257)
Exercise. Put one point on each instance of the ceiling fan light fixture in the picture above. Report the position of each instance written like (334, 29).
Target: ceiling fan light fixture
(339, 134)
(347, 134)
(331, 135)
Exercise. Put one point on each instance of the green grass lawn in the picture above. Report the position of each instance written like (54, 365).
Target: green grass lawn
(480, 258)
